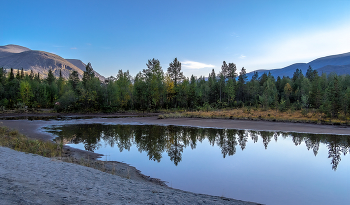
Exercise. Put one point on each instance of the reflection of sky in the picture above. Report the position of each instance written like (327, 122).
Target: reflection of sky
(281, 174)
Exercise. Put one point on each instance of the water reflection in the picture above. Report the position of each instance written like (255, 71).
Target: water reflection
(156, 140)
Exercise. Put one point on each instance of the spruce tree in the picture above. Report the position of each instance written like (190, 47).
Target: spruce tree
(22, 74)
(242, 78)
(224, 69)
(50, 77)
(31, 76)
(18, 76)
(174, 71)
(231, 71)
(89, 74)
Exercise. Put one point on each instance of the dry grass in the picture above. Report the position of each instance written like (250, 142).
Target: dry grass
(311, 116)
(14, 140)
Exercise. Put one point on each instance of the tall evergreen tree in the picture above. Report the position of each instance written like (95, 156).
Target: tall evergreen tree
(231, 71)
(22, 74)
(242, 78)
(89, 74)
(12, 75)
(174, 71)
(31, 75)
(50, 77)
(18, 75)
(224, 69)
(74, 79)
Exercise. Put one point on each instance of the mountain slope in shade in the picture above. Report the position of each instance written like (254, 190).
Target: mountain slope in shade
(338, 69)
(18, 57)
(339, 64)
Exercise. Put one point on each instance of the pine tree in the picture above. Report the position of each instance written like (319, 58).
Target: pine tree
(74, 79)
(37, 77)
(31, 76)
(18, 76)
(50, 77)
(224, 69)
(231, 71)
(89, 74)
(174, 71)
(12, 75)
(242, 78)
(2, 76)
(22, 74)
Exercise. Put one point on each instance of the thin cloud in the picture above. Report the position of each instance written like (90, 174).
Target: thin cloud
(195, 65)
(303, 48)
(57, 46)
(74, 48)
(234, 34)
(242, 56)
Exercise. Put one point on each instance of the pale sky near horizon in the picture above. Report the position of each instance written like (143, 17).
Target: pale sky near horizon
(114, 35)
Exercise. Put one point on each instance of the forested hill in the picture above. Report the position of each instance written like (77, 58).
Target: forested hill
(339, 64)
(18, 57)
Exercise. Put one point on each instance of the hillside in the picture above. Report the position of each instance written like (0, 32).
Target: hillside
(18, 57)
(339, 64)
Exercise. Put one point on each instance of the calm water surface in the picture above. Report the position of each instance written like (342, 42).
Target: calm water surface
(264, 167)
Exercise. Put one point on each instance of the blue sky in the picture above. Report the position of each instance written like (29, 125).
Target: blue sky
(114, 35)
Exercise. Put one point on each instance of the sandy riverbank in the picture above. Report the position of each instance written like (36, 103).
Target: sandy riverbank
(33, 130)
(30, 179)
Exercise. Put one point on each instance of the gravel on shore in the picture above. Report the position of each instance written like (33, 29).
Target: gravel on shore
(32, 179)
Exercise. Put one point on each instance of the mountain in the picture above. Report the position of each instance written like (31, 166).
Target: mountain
(339, 64)
(18, 57)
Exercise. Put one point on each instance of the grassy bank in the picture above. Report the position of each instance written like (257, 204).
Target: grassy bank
(19, 142)
(305, 116)
(14, 140)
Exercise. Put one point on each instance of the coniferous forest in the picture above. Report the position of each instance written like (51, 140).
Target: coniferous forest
(153, 89)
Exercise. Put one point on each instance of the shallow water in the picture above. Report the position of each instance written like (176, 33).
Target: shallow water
(264, 167)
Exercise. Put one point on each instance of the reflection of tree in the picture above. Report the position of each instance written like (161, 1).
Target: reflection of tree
(211, 135)
(123, 135)
(155, 140)
(193, 134)
(228, 143)
(151, 139)
(176, 147)
(275, 136)
(337, 145)
(313, 143)
(89, 135)
(334, 152)
(297, 138)
(254, 135)
(266, 137)
(242, 138)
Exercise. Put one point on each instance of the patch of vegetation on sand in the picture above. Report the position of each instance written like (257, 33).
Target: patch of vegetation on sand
(14, 140)
(248, 113)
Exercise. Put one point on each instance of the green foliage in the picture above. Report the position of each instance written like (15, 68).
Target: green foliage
(151, 90)
(67, 101)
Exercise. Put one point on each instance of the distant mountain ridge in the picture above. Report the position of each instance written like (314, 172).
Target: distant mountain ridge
(339, 64)
(18, 57)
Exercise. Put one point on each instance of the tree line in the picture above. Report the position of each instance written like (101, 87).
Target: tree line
(153, 89)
